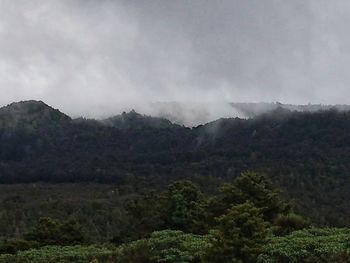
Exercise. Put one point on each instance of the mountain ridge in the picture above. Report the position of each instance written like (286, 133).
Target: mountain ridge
(305, 153)
(129, 120)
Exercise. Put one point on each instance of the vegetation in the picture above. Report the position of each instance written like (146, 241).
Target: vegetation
(303, 153)
(138, 189)
(165, 246)
(133, 120)
(61, 254)
(180, 224)
(52, 232)
(311, 245)
(239, 236)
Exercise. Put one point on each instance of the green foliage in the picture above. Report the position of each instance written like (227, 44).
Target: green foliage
(239, 236)
(137, 252)
(312, 245)
(185, 207)
(182, 207)
(164, 246)
(250, 186)
(61, 254)
(304, 153)
(286, 224)
(12, 246)
(145, 215)
(51, 232)
(177, 247)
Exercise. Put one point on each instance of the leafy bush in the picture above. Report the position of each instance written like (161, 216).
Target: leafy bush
(59, 254)
(177, 247)
(12, 246)
(164, 246)
(286, 224)
(136, 251)
(313, 245)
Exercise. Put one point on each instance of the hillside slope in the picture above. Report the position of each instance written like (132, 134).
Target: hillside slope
(307, 154)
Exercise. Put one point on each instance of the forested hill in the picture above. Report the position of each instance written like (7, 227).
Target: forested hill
(30, 115)
(134, 120)
(306, 153)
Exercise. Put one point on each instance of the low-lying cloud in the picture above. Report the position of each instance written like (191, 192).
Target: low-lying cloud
(99, 57)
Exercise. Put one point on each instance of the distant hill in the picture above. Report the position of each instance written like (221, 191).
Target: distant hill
(30, 114)
(251, 110)
(134, 120)
(305, 153)
(192, 114)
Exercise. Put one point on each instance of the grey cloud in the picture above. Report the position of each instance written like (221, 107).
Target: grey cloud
(98, 57)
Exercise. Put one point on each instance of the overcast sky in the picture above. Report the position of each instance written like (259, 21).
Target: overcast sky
(89, 57)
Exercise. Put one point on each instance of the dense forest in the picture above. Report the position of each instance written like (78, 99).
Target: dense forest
(135, 188)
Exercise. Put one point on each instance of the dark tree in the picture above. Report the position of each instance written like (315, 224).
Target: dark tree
(239, 236)
(52, 232)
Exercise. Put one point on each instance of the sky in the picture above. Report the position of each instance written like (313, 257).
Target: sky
(99, 57)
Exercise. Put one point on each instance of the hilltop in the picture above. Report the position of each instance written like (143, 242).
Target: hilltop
(134, 120)
(30, 114)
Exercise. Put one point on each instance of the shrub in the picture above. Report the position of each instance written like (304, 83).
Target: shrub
(312, 245)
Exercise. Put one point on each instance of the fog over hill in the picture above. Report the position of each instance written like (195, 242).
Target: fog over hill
(192, 114)
(162, 114)
(98, 58)
(304, 151)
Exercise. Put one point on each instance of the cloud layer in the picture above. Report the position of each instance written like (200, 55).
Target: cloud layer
(95, 57)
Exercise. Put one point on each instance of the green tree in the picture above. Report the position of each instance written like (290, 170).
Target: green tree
(239, 236)
(181, 207)
(250, 186)
(185, 207)
(52, 232)
(145, 214)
